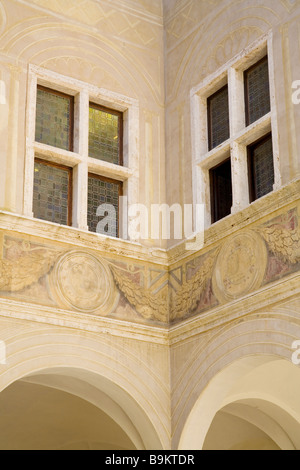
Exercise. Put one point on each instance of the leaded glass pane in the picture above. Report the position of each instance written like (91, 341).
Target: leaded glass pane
(104, 135)
(218, 117)
(263, 168)
(51, 193)
(258, 91)
(105, 194)
(221, 186)
(53, 119)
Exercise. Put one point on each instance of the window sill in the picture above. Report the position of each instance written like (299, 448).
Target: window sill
(110, 170)
(56, 155)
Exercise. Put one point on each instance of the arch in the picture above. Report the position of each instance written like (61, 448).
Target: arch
(106, 373)
(270, 418)
(96, 390)
(105, 395)
(195, 64)
(221, 356)
(79, 44)
(257, 385)
(41, 417)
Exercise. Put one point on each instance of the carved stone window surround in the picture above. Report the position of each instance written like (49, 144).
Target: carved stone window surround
(79, 160)
(232, 74)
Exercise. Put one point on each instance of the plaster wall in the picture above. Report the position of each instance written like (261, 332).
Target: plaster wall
(175, 336)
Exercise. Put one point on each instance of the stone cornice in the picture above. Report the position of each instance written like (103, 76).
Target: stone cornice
(81, 239)
(91, 323)
(259, 211)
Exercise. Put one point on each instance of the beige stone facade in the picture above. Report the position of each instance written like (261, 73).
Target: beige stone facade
(143, 343)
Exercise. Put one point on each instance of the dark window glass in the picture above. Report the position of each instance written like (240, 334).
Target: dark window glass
(105, 134)
(52, 197)
(54, 119)
(218, 118)
(257, 91)
(102, 192)
(221, 190)
(261, 168)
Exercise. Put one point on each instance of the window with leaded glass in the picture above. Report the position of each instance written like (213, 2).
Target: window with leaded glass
(54, 118)
(52, 192)
(103, 205)
(218, 118)
(261, 168)
(257, 91)
(221, 190)
(105, 134)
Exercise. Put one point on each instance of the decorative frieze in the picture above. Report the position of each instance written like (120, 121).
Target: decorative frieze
(82, 282)
(87, 281)
(240, 266)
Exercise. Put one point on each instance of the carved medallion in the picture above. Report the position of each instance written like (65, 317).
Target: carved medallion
(240, 266)
(82, 282)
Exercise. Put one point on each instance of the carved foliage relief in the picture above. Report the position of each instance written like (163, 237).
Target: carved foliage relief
(81, 281)
(282, 237)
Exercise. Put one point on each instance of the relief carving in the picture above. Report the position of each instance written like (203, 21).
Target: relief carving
(240, 266)
(189, 293)
(78, 280)
(148, 302)
(229, 46)
(82, 282)
(24, 265)
(283, 242)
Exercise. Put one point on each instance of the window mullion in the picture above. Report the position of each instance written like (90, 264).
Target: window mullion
(236, 101)
(240, 193)
(240, 183)
(274, 118)
(30, 138)
(202, 195)
(80, 172)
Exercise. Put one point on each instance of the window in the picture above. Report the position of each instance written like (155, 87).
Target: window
(257, 91)
(261, 168)
(218, 118)
(106, 144)
(106, 192)
(105, 134)
(80, 155)
(221, 190)
(54, 118)
(52, 193)
(235, 135)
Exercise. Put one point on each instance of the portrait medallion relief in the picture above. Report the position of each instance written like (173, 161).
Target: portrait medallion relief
(240, 266)
(82, 282)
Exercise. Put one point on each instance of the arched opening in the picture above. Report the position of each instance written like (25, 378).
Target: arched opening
(245, 425)
(253, 404)
(71, 409)
(37, 417)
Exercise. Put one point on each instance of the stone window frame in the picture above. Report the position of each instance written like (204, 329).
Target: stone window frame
(241, 136)
(78, 159)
